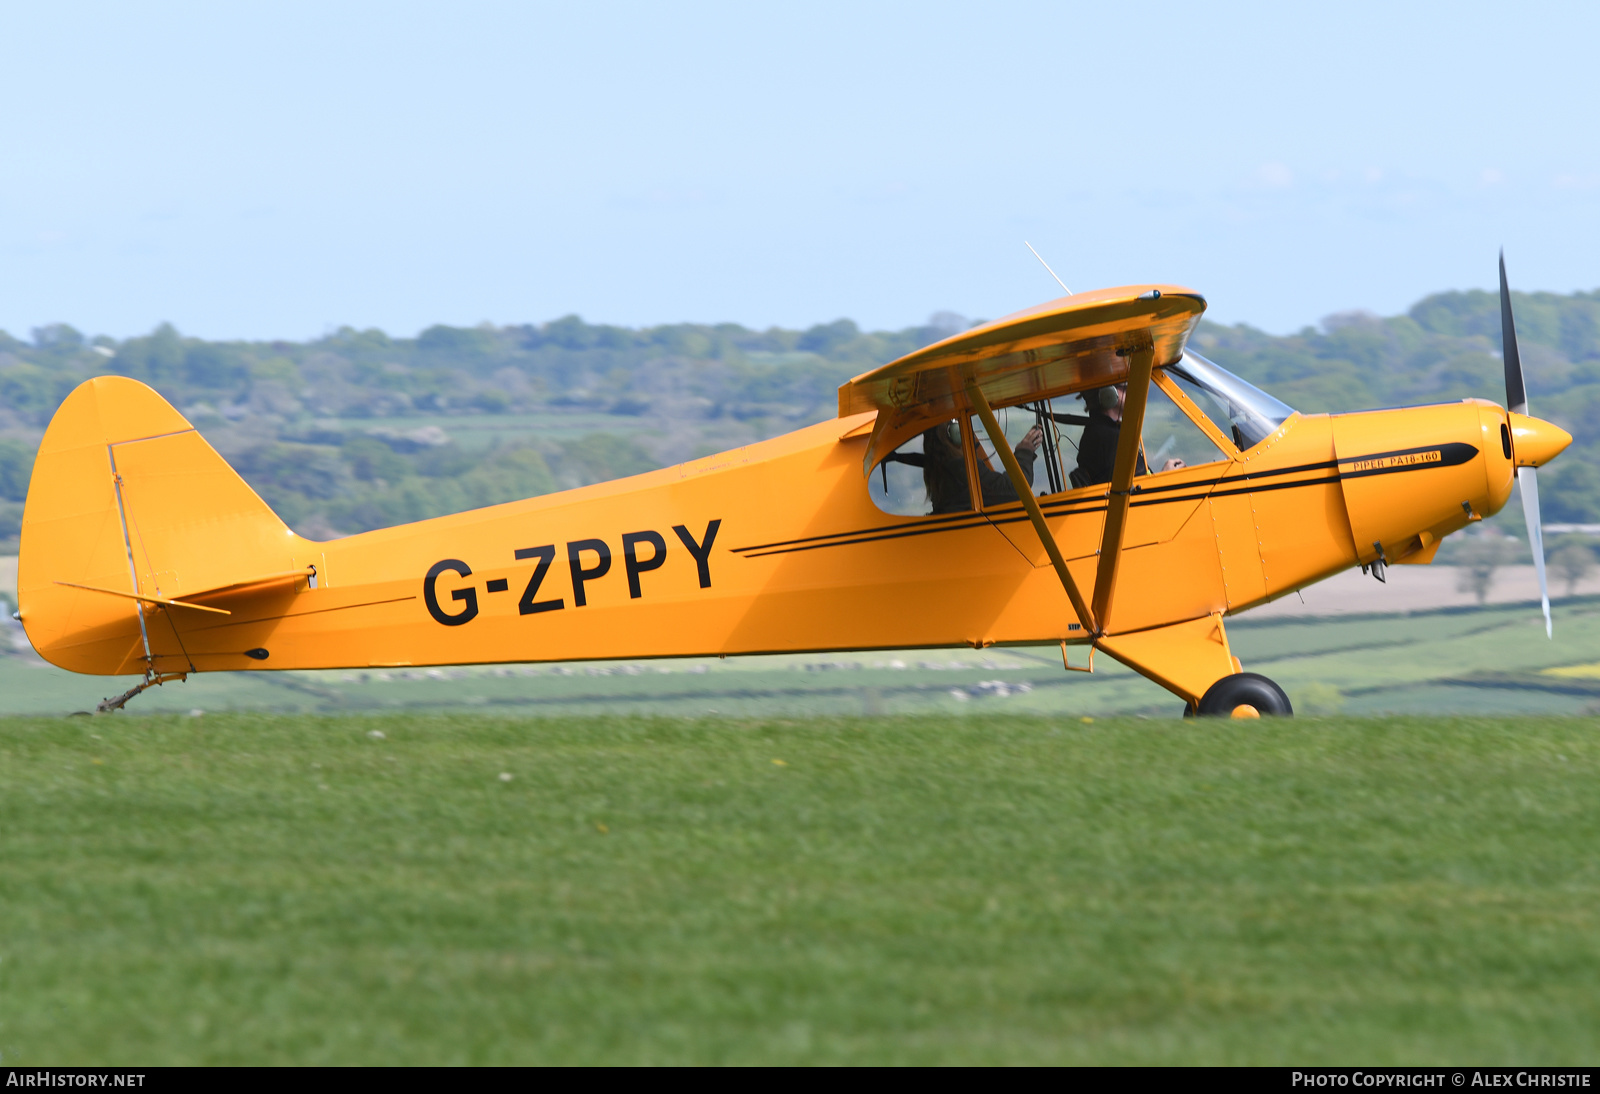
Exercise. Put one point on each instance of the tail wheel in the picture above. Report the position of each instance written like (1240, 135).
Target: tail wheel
(1245, 695)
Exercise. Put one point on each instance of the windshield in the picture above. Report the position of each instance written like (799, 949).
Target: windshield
(1247, 412)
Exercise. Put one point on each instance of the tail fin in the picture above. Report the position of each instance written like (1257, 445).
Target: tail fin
(128, 500)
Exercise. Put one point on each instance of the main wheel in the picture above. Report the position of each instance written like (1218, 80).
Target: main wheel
(1245, 695)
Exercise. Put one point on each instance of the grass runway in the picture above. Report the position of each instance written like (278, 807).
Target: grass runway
(239, 888)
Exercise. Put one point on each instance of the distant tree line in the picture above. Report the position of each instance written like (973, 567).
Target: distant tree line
(306, 423)
(328, 430)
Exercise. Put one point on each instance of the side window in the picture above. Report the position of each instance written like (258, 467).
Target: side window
(1064, 421)
(1060, 444)
(1170, 435)
(1017, 423)
(897, 485)
(1082, 434)
(927, 474)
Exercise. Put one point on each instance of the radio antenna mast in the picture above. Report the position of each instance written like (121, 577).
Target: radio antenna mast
(1046, 265)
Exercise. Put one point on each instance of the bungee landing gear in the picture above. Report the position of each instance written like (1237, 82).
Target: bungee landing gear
(151, 680)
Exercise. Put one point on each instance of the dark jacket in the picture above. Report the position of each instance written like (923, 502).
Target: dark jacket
(1097, 451)
(944, 473)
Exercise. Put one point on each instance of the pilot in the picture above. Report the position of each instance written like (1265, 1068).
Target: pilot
(1097, 448)
(944, 469)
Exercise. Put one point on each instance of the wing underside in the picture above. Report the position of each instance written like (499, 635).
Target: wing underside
(1066, 345)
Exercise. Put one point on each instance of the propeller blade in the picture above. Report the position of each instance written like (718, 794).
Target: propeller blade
(1528, 479)
(1516, 392)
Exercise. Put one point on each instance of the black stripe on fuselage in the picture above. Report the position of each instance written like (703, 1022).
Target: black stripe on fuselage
(1452, 454)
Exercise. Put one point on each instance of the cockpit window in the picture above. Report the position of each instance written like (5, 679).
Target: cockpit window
(1018, 424)
(1070, 442)
(934, 472)
(1079, 433)
(1026, 434)
(927, 474)
(896, 484)
(1170, 435)
(1245, 412)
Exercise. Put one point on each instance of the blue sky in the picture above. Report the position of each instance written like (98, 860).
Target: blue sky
(276, 170)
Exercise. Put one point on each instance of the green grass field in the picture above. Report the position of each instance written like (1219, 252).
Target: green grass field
(985, 888)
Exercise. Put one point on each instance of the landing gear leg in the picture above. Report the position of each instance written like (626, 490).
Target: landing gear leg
(1189, 659)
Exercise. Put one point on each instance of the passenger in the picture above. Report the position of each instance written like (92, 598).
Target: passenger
(1097, 448)
(944, 470)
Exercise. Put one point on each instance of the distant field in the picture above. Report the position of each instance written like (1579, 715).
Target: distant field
(1466, 660)
(475, 889)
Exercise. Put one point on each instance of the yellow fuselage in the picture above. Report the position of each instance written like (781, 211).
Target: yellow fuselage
(769, 548)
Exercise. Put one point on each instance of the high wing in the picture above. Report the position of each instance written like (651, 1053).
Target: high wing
(1066, 345)
(1071, 344)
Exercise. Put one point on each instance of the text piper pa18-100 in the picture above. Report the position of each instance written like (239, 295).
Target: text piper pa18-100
(909, 521)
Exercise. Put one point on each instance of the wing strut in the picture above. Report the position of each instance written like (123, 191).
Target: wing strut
(1140, 362)
(1031, 504)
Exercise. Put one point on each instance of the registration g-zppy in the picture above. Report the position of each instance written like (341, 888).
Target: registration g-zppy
(910, 520)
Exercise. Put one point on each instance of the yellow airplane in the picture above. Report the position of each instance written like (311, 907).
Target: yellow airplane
(144, 552)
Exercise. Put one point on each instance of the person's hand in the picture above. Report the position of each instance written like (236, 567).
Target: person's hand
(1032, 439)
(1173, 464)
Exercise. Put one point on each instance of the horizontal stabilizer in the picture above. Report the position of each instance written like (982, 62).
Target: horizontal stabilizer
(143, 599)
(247, 587)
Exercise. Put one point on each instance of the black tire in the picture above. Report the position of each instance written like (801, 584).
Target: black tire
(1245, 689)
